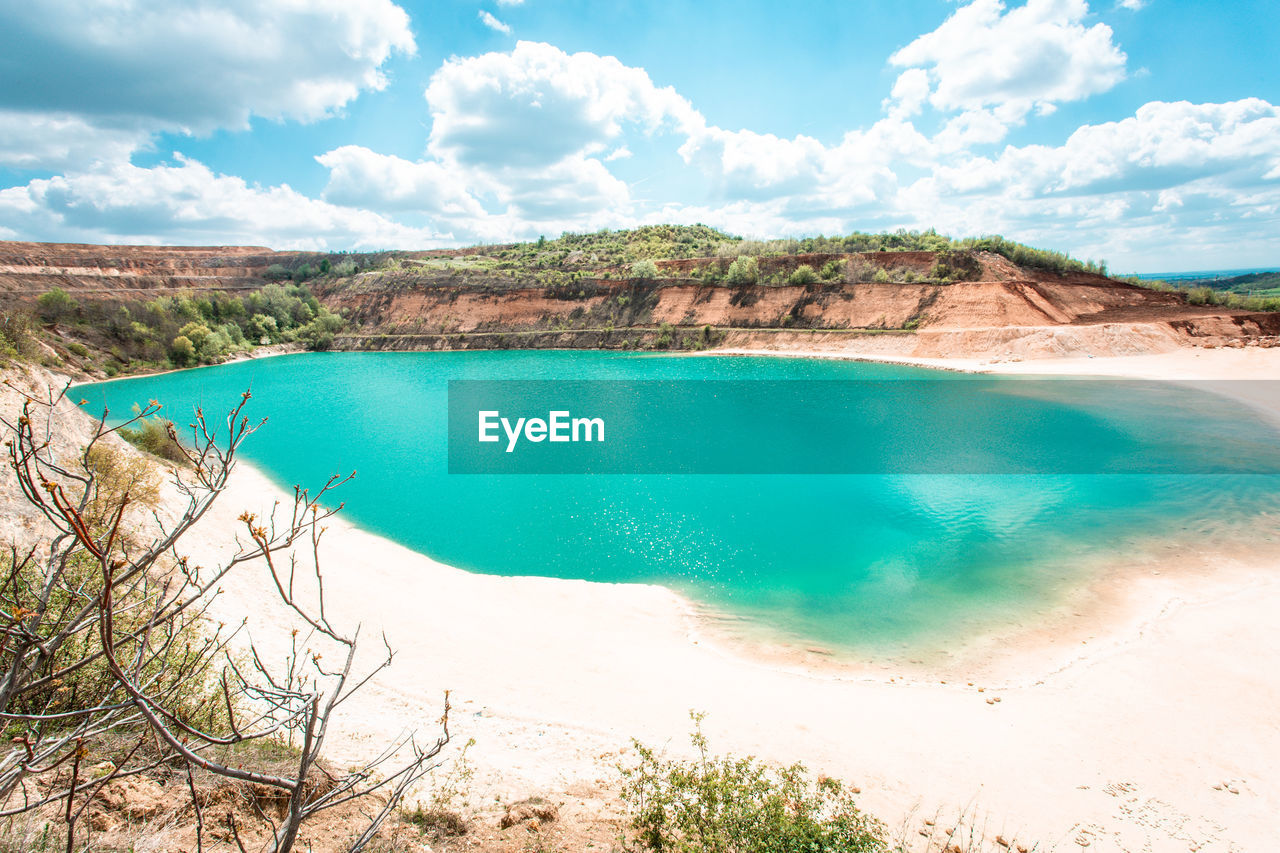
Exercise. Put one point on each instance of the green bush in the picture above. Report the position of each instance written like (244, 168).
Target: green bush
(832, 270)
(16, 340)
(744, 270)
(802, 274)
(195, 332)
(666, 335)
(181, 351)
(153, 435)
(645, 270)
(740, 805)
(55, 305)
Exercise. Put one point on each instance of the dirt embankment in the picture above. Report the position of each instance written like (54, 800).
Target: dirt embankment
(30, 269)
(982, 305)
(998, 310)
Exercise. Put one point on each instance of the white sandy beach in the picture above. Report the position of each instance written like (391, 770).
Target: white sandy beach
(1148, 726)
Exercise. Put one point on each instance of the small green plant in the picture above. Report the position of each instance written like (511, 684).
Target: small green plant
(832, 270)
(802, 274)
(157, 437)
(440, 816)
(16, 340)
(726, 805)
(645, 270)
(666, 334)
(881, 276)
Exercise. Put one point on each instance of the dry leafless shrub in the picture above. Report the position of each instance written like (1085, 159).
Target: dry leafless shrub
(109, 668)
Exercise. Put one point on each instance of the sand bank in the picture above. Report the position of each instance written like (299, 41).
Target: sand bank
(1153, 732)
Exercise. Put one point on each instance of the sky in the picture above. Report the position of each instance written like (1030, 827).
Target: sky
(1141, 132)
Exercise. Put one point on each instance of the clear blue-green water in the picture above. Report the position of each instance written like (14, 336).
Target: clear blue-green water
(879, 565)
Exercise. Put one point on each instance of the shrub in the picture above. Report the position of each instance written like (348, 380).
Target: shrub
(881, 276)
(803, 274)
(744, 270)
(832, 270)
(726, 804)
(55, 305)
(645, 270)
(181, 351)
(195, 332)
(276, 272)
(860, 269)
(666, 335)
(155, 436)
(15, 337)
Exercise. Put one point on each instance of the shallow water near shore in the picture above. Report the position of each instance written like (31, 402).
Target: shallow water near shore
(880, 566)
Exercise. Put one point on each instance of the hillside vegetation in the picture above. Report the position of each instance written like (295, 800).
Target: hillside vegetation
(104, 310)
(179, 330)
(1251, 292)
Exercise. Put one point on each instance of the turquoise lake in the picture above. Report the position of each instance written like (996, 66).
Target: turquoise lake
(878, 565)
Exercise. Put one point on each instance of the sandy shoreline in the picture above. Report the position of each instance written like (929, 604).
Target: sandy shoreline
(1118, 740)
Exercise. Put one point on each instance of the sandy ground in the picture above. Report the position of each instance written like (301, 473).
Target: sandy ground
(1153, 729)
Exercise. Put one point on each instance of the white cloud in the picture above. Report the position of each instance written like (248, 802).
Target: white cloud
(1032, 56)
(1132, 5)
(186, 202)
(61, 141)
(510, 2)
(521, 143)
(536, 105)
(1162, 145)
(136, 68)
(493, 23)
(909, 93)
(359, 177)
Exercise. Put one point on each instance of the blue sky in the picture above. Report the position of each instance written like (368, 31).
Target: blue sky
(1145, 132)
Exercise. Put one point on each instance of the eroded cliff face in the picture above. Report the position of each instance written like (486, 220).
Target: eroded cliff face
(449, 300)
(28, 269)
(1000, 295)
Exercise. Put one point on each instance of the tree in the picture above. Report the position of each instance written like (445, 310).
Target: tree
(55, 305)
(104, 642)
(744, 270)
(645, 270)
(181, 351)
(195, 332)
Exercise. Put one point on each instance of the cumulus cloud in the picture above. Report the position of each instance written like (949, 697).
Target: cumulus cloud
(493, 23)
(1162, 145)
(186, 202)
(517, 140)
(909, 93)
(522, 142)
(137, 68)
(1032, 56)
(536, 105)
(62, 141)
(359, 177)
